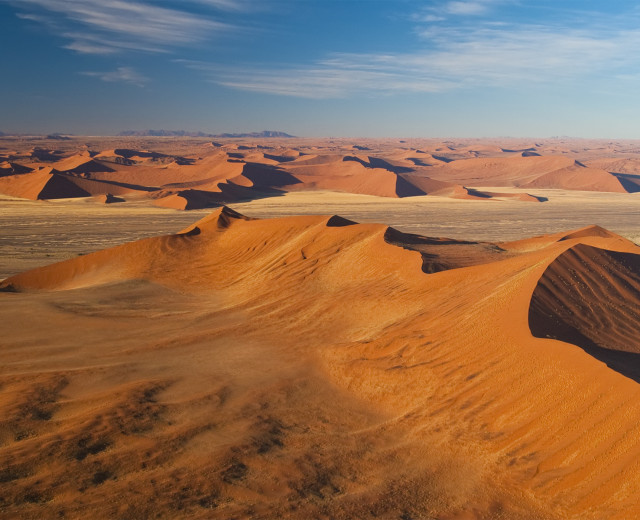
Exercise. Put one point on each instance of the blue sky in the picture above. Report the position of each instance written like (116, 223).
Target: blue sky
(366, 68)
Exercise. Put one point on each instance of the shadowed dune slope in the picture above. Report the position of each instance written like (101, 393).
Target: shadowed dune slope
(109, 198)
(41, 184)
(590, 297)
(49, 183)
(185, 199)
(81, 163)
(12, 168)
(308, 367)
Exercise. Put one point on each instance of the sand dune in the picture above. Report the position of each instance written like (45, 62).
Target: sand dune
(46, 183)
(627, 165)
(81, 163)
(49, 183)
(44, 155)
(185, 199)
(314, 367)
(578, 177)
(13, 168)
(529, 172)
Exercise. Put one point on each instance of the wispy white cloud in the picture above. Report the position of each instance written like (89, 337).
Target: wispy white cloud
(422, 17)
(466, 7)
(120, 75)
(489, 56)
(32, 17)
(87, 47)
(227, 5)
(457, 8)
(92, 43)
(131, 24)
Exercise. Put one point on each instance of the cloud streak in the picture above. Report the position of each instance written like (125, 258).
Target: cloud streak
(466, 8)
(133, 25)
(457, 8)
(488, 56)
(120, 75)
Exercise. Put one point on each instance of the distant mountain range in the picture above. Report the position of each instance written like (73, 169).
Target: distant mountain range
(57, 135)
(185, 133)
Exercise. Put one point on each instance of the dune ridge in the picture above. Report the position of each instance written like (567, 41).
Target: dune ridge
(308, 366)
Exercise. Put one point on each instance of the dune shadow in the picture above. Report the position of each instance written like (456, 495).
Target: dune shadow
(442, 158)
(128, 153)
(630, 183)
(590, 297)
(137, 187)
(444, 254)
(376, 162)
(266, 175)
(338, 221)
(279, 158)
(625, 363)
(479, 194)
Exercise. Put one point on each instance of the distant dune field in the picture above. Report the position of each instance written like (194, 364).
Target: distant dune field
(189, 173)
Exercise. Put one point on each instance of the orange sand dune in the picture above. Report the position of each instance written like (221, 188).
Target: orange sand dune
(372, 176)
(351, 177)
(41, 184)
(12, 168)
(81, 163)
(144, 156)
(309, 367)
(540, 242)
(113, 156)
(214, 167)
(528, 172)
(97, 187)
(578, 178)
(44, 155)
(627, 165)
(184, 199)
(49, 183)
